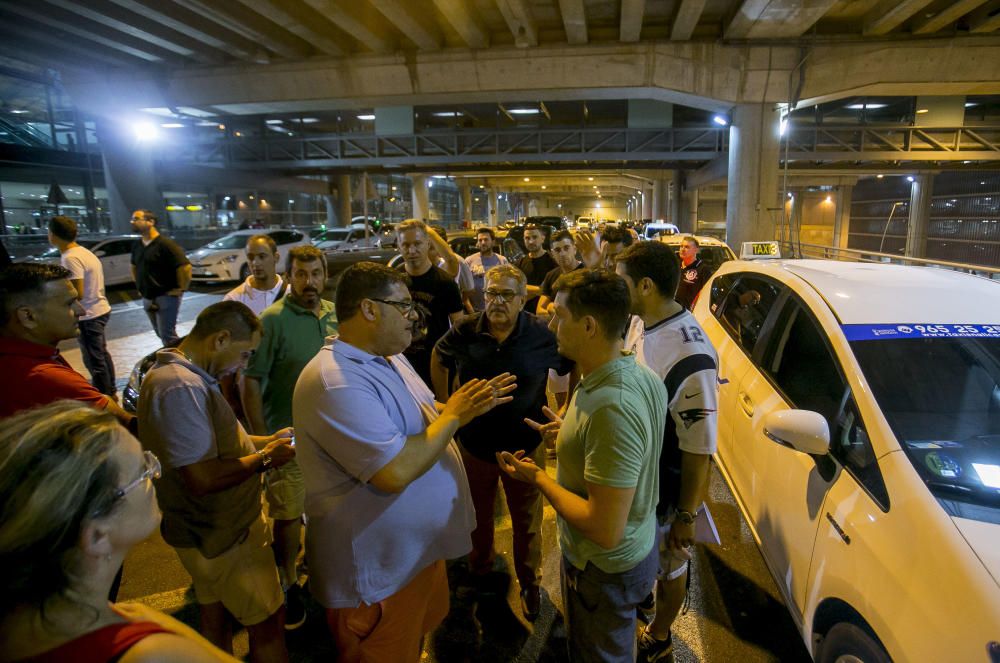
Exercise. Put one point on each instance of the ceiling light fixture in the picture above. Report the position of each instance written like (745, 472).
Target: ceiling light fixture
(367, 117)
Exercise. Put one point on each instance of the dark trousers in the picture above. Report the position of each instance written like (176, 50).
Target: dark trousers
(96, 357)
(525, 505)
(162, 312)
(600, 609)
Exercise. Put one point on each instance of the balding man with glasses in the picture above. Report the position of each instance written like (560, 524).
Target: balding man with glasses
(503, 338)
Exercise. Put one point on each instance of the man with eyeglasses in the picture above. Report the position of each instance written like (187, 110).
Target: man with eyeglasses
(295, 328)
(503, 338)
(210, 491)
(162, 273)
(386, 496)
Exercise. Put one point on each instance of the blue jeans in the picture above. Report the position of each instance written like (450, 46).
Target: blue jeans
(162, 312)
(96, 357)
(600, 609)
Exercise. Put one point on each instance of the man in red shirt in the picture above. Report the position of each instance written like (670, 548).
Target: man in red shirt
(39, 308)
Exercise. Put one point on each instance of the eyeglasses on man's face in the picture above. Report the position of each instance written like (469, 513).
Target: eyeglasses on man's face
(404, 308)
(494, 294)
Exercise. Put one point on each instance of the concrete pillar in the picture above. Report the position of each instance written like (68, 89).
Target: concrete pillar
(920, 214)
(647, 202)
(842, 220)
(465, 201)
(492, 206)
(421, 204)
(129, 176)
(344, 200)
(752, 206)
(676, 185)
(331, 211)
(691, 226)
(660, 196)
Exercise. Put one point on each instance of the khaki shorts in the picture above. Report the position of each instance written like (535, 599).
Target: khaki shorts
(285, 490)
(671, 565)
(244, 578)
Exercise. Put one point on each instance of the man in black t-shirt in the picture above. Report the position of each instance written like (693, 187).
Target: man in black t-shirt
(162, 273)
(535, 264)
(563, 251)
(694, 273)
(435, 294)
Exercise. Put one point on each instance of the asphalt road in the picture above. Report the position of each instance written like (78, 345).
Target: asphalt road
(736, 613)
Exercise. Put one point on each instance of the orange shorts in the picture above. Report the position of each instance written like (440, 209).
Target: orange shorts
(392, 629)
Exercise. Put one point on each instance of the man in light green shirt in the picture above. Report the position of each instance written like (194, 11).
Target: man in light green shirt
(295, 328)
(606, 489)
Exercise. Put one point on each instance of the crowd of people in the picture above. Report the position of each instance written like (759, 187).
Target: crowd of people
(382, 423)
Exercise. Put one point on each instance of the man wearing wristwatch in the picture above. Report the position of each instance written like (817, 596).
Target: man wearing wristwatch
(665, 337)
(210, 491)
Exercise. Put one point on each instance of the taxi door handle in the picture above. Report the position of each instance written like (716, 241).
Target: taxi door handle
(746, 403)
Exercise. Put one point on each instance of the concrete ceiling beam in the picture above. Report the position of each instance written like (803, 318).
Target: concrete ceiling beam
(776, 19)
(416, 25)
(142, 27)
(518, 16)
(352, 19)
(688, 15)
(982, 21)
(196, 27)
(889, 15)
(947, 15)
(465, 22)
(301, 20)
(235, 16)
(630, 25)
(86, 29)
(714, 171)
(23, 40)
(574, 17)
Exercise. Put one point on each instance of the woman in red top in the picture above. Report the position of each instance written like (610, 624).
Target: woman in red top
(76, 494)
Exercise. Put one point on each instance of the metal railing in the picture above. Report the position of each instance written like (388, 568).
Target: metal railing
(801, 250)
(893, 143)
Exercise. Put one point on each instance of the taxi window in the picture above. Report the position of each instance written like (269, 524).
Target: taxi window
(805, 370)
(746, 307)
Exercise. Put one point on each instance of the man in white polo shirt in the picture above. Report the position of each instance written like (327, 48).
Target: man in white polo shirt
(263, 287)
(87, 275)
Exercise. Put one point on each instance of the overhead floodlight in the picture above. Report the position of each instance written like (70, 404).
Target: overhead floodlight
(274, 121)
(366, 117)
(968, 104)
(879, 176)
(313, 120)
(527, 179)
(720, 120)
(909, 178)
(447, 114)
(921, 111)
(865, 106)
(523, 111)
(145, 132)
(21, 111)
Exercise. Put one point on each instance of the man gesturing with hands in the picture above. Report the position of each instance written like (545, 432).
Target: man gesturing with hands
(606, 487)
(386, 493)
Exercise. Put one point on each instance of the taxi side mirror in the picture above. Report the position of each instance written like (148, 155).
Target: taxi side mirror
(802, 430)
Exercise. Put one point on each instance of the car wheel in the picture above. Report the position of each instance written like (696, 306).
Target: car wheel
(848, 643)
(244, 272)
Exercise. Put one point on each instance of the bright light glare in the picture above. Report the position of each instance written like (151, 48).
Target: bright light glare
(366, 117)
(865, 106)
(909, 178)
(172, 125)
(783, 126)
(721, 121)
(447, 114)
(523, 111)
(145, 131)
(988, 474)
(527, 179)
(274, 121)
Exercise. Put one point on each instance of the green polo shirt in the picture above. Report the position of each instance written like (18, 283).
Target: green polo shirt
(292, 337)
(611, 436)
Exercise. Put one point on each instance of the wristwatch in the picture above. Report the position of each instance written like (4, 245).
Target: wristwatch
(265, 464)
(685, 517)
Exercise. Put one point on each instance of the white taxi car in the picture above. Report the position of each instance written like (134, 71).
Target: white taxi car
(225, 259)
(859, 430)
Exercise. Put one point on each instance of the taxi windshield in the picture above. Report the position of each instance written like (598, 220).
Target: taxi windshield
(941, 396)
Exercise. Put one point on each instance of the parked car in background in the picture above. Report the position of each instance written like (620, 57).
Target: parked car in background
(657, 229)
(225, 259)
(354, 238)
(114, 252)
(859, 430)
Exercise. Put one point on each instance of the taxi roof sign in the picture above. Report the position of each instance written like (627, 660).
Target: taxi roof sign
(760, 250)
